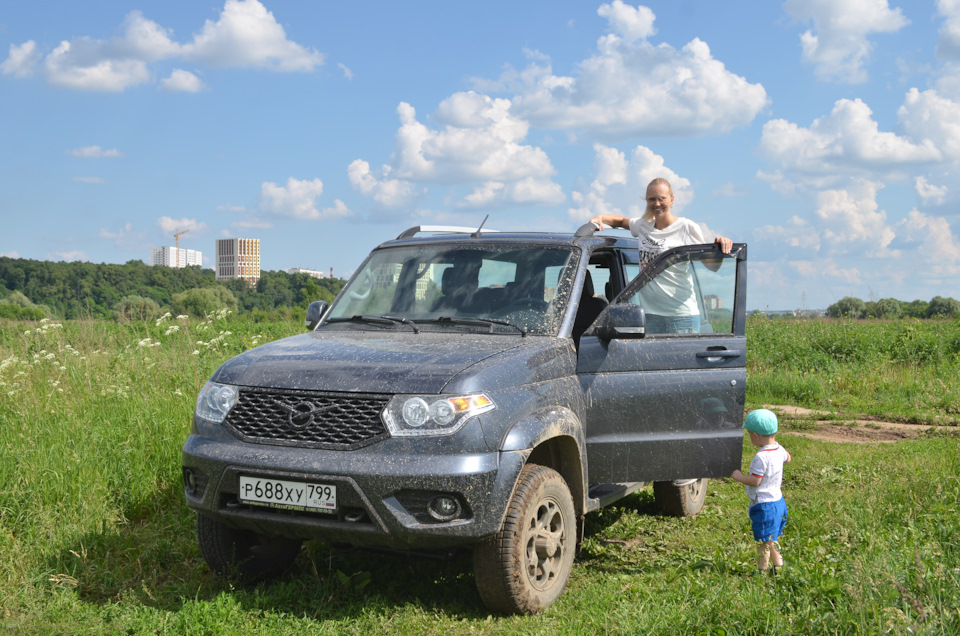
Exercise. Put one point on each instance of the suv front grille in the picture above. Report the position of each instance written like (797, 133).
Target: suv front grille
(308, 419)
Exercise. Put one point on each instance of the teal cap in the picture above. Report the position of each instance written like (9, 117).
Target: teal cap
(761, 422)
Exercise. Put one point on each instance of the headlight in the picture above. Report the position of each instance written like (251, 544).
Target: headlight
(215, 401)
(431, 414)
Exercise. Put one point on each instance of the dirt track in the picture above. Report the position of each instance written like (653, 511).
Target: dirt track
(796, 420)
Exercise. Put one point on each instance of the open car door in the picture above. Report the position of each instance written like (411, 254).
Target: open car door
(662, 405)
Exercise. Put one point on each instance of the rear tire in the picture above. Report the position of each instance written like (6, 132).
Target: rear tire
(525, 567)
(680, 501)
(242, 554)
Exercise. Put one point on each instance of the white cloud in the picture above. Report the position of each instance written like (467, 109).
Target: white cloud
(13, 254)
(169, 225)
(68, 255)
(935, 243)
(826, 270)
(181, 81)
(478, 143)
(838, 46)
(631, 87)
(126, 236)
(82, 66)
(386, 191)
(620, 185)
(948, 46)
(797, 232)
(93, 180)
(630, 23)
(347, 73)
(929, 193)
(22, 60)
(248, 36)
(95, 152)
(852, 215)
(929, 116)
(730, 190)
(525, 191)
(847, 141)
(299, 200)
(252, 223)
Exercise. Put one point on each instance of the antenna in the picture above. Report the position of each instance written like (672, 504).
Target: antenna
(484, 222)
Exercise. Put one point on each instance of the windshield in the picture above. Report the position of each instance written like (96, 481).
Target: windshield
(491, 288)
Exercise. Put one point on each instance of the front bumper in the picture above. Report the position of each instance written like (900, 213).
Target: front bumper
(384, 491)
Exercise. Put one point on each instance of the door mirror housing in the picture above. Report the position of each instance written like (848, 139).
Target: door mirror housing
(621, 321)
(315, 312)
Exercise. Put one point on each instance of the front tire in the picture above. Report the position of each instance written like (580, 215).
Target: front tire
(680, 501)
(243, 554)
(525, 567)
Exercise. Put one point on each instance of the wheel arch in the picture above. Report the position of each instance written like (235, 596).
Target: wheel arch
(554, 438)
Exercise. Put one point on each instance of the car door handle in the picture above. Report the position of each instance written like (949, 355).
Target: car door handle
(719, 353)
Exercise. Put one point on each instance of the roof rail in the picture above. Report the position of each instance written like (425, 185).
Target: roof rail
(444, 229)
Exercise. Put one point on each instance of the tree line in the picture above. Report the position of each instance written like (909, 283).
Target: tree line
(937, 307)
(32, 289)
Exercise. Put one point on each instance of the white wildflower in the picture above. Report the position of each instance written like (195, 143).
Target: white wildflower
(171, 329)
(183, 317)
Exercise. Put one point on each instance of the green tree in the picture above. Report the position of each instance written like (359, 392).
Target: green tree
(915, 309)
(889, 308)
(847, 307)
(941, 307)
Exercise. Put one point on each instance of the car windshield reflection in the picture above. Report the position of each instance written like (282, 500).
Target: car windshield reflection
(494, 289)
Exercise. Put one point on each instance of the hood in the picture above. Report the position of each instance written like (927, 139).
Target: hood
(362, 361)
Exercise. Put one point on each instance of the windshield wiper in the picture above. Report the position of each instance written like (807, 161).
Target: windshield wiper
(482, 321)
(390, 320)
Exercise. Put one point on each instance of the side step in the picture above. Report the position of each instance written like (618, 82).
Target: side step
(601, 495)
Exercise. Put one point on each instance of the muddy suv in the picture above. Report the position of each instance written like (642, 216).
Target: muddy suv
(473, 389)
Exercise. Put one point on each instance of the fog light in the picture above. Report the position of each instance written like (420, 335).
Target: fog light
(444, 508)
(194, 483)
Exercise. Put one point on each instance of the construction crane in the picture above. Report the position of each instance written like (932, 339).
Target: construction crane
(176, 235)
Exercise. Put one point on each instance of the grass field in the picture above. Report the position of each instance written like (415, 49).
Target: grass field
(95, 537)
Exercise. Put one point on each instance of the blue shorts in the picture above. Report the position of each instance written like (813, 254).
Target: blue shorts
(769, 519)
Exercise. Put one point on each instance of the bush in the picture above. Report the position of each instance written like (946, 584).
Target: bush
(204, 300)
(135, 307)
(16, 306)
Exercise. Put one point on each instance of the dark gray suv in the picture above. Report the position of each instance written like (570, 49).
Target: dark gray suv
(469, 388)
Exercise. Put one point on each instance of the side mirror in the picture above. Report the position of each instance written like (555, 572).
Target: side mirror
(621, 321)
(315, 312)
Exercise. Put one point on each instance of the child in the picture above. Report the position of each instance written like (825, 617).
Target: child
(768, 510)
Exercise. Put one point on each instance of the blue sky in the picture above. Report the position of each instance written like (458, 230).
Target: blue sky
(824, 133)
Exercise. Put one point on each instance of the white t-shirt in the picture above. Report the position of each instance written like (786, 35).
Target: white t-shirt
(768, 465)
(671, 293)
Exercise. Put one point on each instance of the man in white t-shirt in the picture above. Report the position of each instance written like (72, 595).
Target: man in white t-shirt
(669, 301)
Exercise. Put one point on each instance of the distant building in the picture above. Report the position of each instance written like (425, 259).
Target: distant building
(308, 272)
(713, 302)
(238, 258)
(175, 257)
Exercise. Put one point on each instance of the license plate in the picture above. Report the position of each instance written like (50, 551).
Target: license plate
(288, 495)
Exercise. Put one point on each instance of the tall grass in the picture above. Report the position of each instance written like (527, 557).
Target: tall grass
(95, 537)
(904, 370)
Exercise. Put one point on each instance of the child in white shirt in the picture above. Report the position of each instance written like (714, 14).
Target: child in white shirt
(768, 510)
